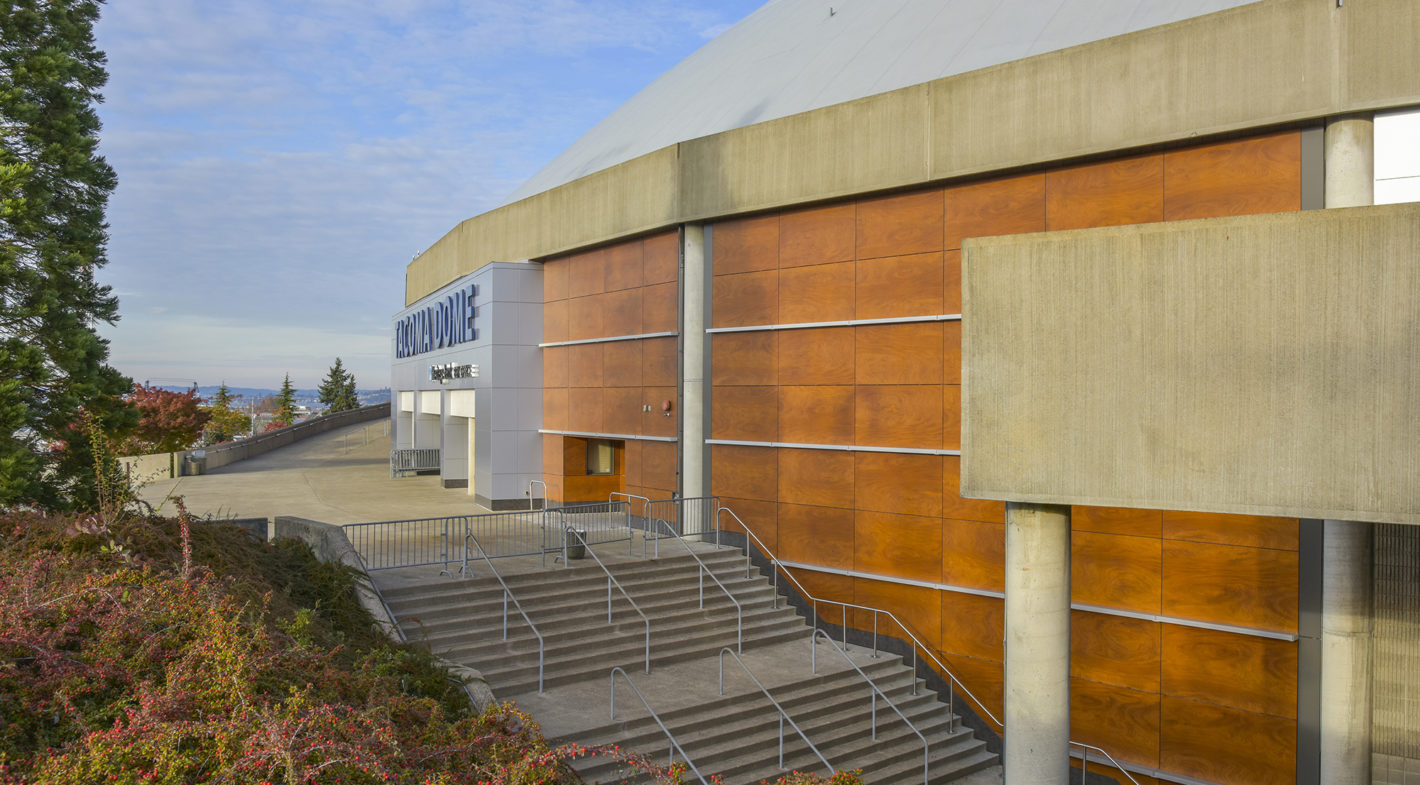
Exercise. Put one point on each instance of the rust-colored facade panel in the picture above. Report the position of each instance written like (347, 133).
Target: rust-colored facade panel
(660, 258)
(1260, 174)
(821, 293)
(585, 317)
(898, 483)
(554, 408)
(586, 274)
(1011, 205)
(760, 517)
(622, 409)
(1255, 531)
(815, 415)
(951, 281)
(554, 321)
(623, 266)
(750, 358)
(899, 225)
(622, 364)
(954, 506)
(585, 362)
(816, 535)
(1241, 671)
(918, 607)
(745, 414)
(901, 546)
(818, 235)
(622, 312)
(1115, 650)
(828, 588)
(973, 625)
(898, 353)
(1111, 193)
(1115, 520)
(985, 678)
(554, 366)
(951, 352)
(816, 356)
(1115, 571)
(816, 477)
(659, 466)
(746, 299)
(660, 310)
(1225, 745)
(591, 487)
(744, 472)
(951, 416)
(899, 416)
(657, 421)
(554, 280)
(1248, 587)
(974, 554)
(633, 460)
(1118, 719)
(658, 362)
(585, 410)
(895, 286)
(551, 454)
(745, 245)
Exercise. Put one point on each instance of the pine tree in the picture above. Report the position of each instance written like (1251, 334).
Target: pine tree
(224, 422)
(54, 188)
(332, 390)
(285, 404)
(349, 398)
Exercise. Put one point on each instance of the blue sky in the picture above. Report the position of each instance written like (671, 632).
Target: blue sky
(280, 163)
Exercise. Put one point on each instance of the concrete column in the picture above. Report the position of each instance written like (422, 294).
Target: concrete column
(1346, 654)
(1345, 734)
(1037, 693)
(692, 331)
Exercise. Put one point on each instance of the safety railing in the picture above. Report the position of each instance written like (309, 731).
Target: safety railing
(508, 595)
(694, 515)
(672, 744)
(635, 517)
(612, 581)
(704, 570)
(508, 533)
(953, 683)
(875, 694)
(783, 715)
(601, 522)
(406, 461)
(422, 542)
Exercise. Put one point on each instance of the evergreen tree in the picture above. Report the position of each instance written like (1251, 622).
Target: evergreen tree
(333, 390)
(349, 398)
(224, 422)
(285, 404)
(54, 188)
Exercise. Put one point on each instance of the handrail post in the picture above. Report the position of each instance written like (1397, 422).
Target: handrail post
(505, 614)
(875, 635)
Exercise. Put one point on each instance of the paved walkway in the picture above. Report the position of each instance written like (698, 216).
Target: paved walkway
(341, 476)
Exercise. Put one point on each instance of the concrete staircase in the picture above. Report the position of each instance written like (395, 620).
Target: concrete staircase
(736, 735)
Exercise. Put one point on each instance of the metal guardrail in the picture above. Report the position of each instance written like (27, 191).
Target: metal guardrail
(405, 461)
(876, 693)
(783, 715)
(388, 545)
(601, 523)
(696, 515)
(674, 746)
(704, 570)
(533, 499)
(610, 581)
(507, 595)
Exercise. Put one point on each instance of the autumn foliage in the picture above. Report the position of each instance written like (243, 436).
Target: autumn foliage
(168, 421)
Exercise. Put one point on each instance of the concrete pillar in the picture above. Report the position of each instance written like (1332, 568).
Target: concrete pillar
(1345, 735)
(692, 331)
(1037, 692)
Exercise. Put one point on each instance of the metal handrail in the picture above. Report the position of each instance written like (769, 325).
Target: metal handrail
(704, 570)
(531, 483)
(674, 745)
(783, 715)
(877, 693)
(1085, 761)
(952, 681)
(610, 581)
(508, 594)
(629, 496)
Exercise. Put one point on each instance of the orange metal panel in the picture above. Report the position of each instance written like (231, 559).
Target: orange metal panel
(624, 262)
(1115, 650)
(985, 679)
(1010, 205)
(954, 506)
(623, 409)
(585, 410)
(745, 472)
(815, 415)
(1115, 571)
(657, 422)
(554, 321)
(821, 293)
(974, 554)
(551, 454)
(951, 417)
(818, 235)
(585, 318)
(817, 356)
(746, 245)
(749, 414)
(895, 286)
(658, 362)
(661, 258)
(1249, 587)
(1252, 530)
(1241, 671)
(622, 314)
(892, 482)
(554, 280)
(554, 366)
(660, 311)
(622, 364)
(744, 358)
(816, 535)
(899, 416)
(817, 477)
(973, 625)
(761, 517)
(899, 353)
(746, 299)
(554, 408)
(1122, 191)
(951, 281)
(632, 455)
(1122, 721)
(898, 225)
(1225, 745)
(1115, 520)
(826, 586)
(917, 607)
(1262, 174)
(586, 274)
(951, 352)
(585, 362)
(659, 466)
(903, 546)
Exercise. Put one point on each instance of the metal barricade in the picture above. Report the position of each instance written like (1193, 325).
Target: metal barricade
(686, 517)
(601, 523)
(412, 461)
(388, 545)
(511, 533)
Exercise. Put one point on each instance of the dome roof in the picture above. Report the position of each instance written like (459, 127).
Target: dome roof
(793, 56)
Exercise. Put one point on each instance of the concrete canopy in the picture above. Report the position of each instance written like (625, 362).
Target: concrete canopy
(794, 56)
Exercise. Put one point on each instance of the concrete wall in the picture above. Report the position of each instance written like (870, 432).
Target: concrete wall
(225, 454)
(1263, 365)
(1396, 723)
(1276, 62)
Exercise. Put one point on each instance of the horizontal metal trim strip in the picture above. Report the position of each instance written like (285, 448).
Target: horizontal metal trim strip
(1252, 631)
(590, 435)
(611, 339)
(941, 317)
(838, 447)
